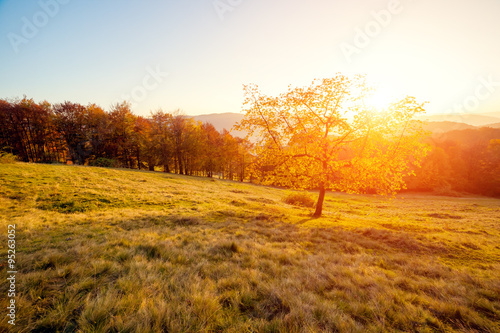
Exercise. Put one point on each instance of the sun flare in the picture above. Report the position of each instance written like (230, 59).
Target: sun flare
(380, 99)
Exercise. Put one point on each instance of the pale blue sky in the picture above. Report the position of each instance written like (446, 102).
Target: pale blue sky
(100, 51)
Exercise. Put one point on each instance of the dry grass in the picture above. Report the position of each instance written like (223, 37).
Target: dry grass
(105, 250)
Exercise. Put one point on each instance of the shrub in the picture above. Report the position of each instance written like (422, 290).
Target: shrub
(303, 199)
(7, 157)
(103, 162)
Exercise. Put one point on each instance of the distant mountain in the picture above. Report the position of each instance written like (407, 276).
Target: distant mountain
(222, 121)
(470, 119)
(227, 120)
(469, 137)
(445, 126)
(495, 114)
(496, 125)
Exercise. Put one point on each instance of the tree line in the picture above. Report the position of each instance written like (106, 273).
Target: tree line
(89, 135)
(460, 161)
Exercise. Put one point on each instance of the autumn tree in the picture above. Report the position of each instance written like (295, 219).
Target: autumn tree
(324, 136)
(161, 146)
(146, 154)
(122, 125)
(243, 157)
(435, 173)
(181, 136)
(230, 154)
(96, 124)
(14, 136)
(194, 143)
(492, 167)
(139, 140)
(212, 149)
(70, 122)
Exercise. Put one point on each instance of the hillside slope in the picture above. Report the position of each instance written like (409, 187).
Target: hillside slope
(108, 250)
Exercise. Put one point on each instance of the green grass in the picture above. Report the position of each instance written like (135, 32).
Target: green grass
(109, 250)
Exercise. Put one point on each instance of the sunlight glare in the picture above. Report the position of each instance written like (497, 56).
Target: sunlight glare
(380, 99)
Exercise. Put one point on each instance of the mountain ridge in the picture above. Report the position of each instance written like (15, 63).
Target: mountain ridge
(227, 120)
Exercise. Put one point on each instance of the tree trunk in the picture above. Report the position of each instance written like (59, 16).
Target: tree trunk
(319, 204)
(139, 159)
(179, 160)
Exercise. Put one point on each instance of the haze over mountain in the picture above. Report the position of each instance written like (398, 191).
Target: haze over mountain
(222, 121)
(497, 125)
(445, 126)
(471, 119)
(435, 123)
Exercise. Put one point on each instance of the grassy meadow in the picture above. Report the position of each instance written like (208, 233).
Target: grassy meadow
(110, 250)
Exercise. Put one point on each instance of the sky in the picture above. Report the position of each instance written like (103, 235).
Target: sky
(195, 55)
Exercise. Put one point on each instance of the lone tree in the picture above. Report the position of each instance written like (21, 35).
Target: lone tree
(326, 137)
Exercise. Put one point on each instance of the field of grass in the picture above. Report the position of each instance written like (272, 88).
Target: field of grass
(108, 250)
